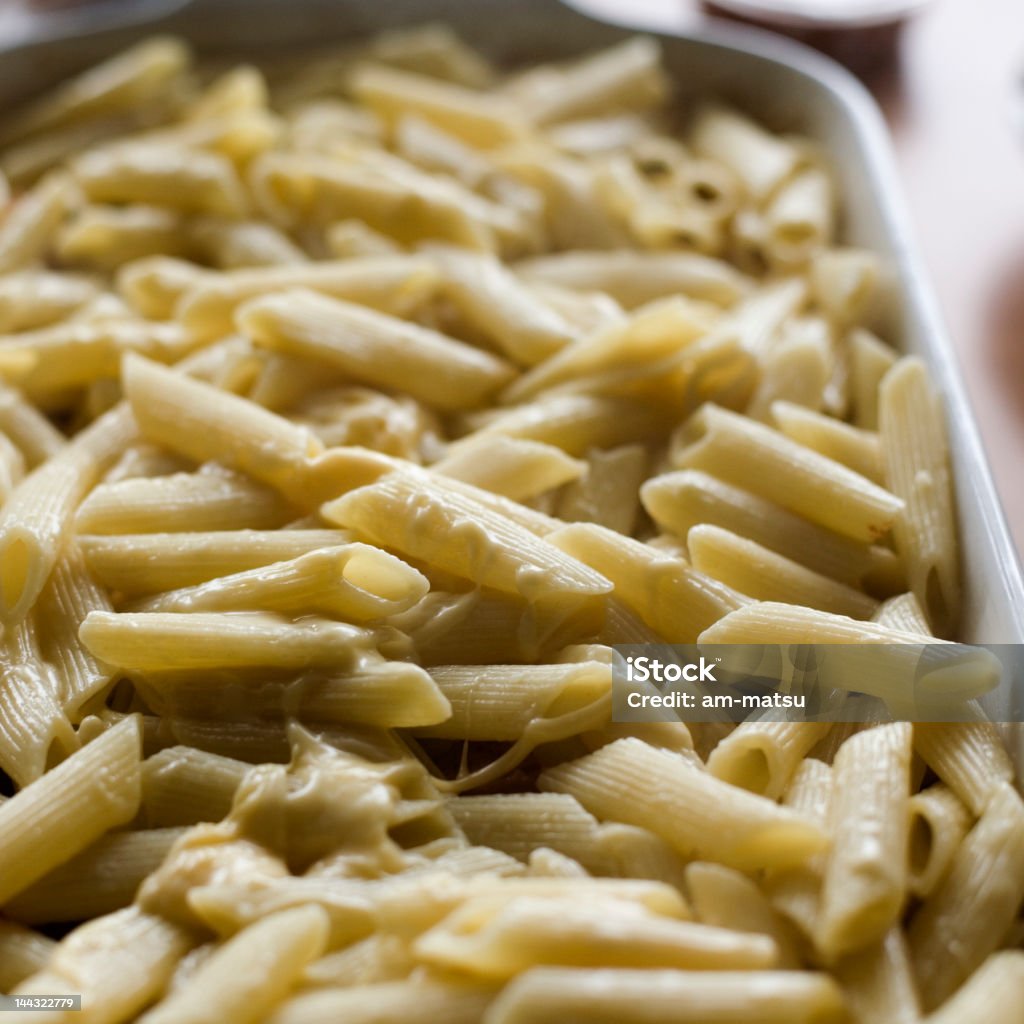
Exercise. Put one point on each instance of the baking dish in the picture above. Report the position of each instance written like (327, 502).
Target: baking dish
(782, 83)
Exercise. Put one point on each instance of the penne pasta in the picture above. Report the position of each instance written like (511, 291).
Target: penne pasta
(748, 454)
(375, 348)
(35, 517)
(153, 641)
(549, 995)
(57, 816)
(355, 406)
(212, 500)
(354, 583)
(250, 973)
(750, 832)
(766, 576)
(148, 563)
(866, 873)
(938, 824)
(675, 600)
(687, 498)
(100, 880)
(917, 471)
(391, 285)
(22, 953)
(966, 916)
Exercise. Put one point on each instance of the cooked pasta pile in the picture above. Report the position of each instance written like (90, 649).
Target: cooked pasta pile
(346, 423)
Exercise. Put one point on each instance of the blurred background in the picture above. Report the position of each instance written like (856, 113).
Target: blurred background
(950, 80)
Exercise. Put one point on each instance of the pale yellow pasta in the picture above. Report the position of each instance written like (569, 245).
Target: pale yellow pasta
(824, 491)
(388, 694)
(411, 1002)
(726, 898)
(913, 431)
(31, 432)
(671, 597)
(70, 595)
(695, 812)
(232, 244)
(794, 370)
(27, 230)
(136, 76)
(103, 238)
(870, 360)
(203, 422)
(498, 940)
(879, 984)
(494, 301)
(800, 217)
(498, 702)
(866, 872)
(760, 160)
(118, 964)
(858, 449)
(213, 500)
(938, 824)
(606, 493)
(796, 892)
(634, 279)
(482, 121)
(992, 993)
(969, 757)
(377, 958)
(681, 500)
(51, 820)
(152, 562)
(163, 175)
(12, 467)
(875, 660)
(310, 187)
(22, 953)
(762, 756)
(35, 730)
(577, 423)
(843, 283)
(466, 538)
(372, 347)
(101, 879)
(35, 517)
(153, 286)
(627, 76)
(354, 583)
(38, 298)
(903, 612)
(658, 330)
(250, 973)
(73, 355)
(512, 466)
(153, 641)
(392, 285)
(966, 916)
(757, 572)
(354, 407)
(352, 239)
(551, 995)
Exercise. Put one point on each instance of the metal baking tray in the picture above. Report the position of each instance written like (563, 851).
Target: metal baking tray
(786, 85)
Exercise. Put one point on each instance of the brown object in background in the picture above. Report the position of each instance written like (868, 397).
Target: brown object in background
(867, 46)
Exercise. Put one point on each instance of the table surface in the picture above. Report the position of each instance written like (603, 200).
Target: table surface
(955, 105)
